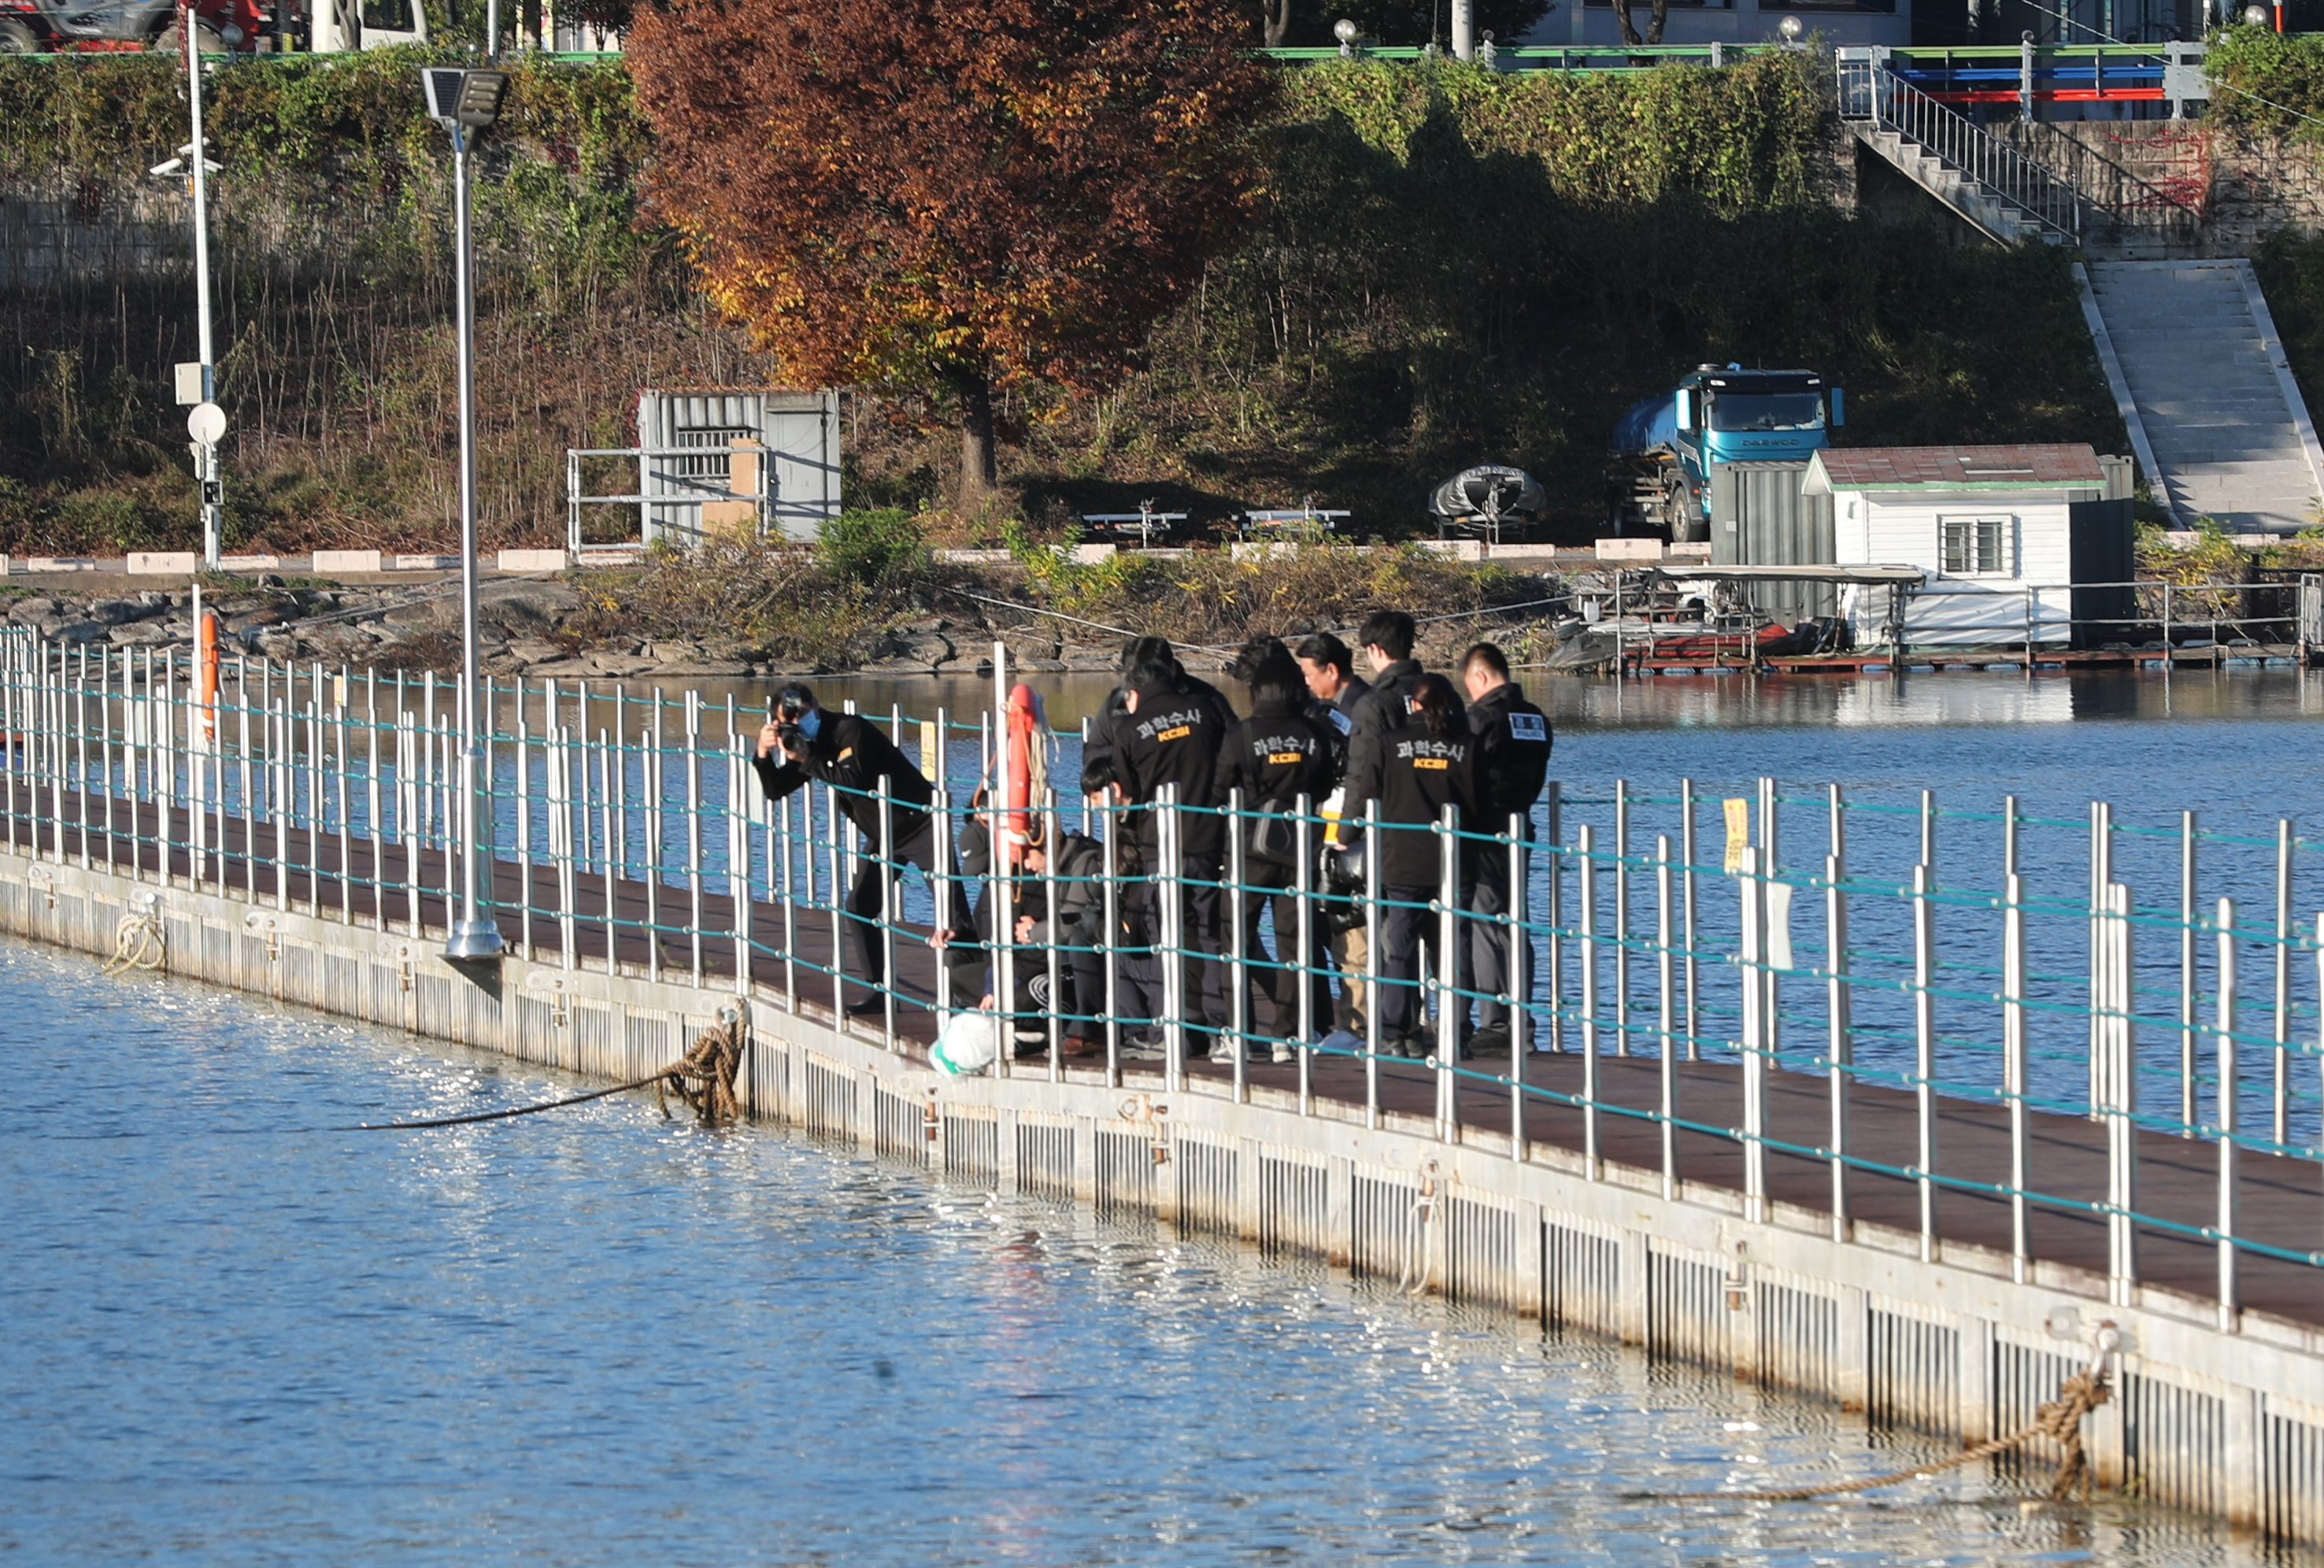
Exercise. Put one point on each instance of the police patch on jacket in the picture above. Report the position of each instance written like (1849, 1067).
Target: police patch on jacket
(1529, 727)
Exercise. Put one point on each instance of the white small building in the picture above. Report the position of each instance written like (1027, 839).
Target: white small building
(2005, 534)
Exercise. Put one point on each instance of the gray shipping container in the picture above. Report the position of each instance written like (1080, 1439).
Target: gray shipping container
(799, 429)
(1759, 517)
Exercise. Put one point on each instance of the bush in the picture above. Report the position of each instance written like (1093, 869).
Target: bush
(873, 548)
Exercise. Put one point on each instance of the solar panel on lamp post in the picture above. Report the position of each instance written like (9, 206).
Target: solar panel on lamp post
(466, 103)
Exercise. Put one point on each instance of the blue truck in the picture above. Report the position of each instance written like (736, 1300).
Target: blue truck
(1667, 448)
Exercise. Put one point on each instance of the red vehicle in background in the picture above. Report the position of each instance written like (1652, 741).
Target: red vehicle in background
(65, 26)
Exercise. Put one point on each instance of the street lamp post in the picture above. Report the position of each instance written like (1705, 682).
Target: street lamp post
(193, 161)
(466, 103)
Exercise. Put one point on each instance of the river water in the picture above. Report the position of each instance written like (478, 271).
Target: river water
(603, 1337)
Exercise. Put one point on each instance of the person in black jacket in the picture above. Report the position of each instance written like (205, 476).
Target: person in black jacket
(1097, 747)
(1513, 744)
(1333, 681)
(1412, 771)
(1275, 757)
(1388, 638)
(1169, 739)
(853, 756)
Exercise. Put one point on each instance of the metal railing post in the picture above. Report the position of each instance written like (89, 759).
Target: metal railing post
(1371, 963)
(2016, 1068)
(1451, 1006)
(1924, 1057)
(1518, 978)
(2189, 1005)
(890, 876)
(1302, 888)
(2227, 1223)
(1665, 998)
(1238, 943)
(1586, 941)
(1752, 897)
(1173, 889)
(2122, 1100)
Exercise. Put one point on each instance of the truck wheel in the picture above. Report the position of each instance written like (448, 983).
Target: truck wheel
(15, 38)
(1681, 516)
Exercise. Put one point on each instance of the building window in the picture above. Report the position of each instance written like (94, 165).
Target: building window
(1975, 547)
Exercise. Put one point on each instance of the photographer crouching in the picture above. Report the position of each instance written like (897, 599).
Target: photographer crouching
(853, 756)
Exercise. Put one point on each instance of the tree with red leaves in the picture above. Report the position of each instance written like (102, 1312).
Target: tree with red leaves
(952, 197)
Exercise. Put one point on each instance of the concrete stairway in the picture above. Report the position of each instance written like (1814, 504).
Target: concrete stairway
(2218, 423)
(1996, 219)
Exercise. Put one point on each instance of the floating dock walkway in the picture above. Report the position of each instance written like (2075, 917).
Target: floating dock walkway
(1908, 1140)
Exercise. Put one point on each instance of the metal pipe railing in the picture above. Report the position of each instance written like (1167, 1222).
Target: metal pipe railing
(1992, 984)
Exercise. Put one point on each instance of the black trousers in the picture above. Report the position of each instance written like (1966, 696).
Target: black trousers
(1406, 924)
(1485, 955)
(1137, 988)
(1200, 938)
(1266, 887)
(964, 957)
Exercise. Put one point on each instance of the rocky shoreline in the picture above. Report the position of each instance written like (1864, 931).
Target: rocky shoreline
(536, 628)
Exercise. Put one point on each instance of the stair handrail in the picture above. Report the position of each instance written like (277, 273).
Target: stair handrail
(1869, 91)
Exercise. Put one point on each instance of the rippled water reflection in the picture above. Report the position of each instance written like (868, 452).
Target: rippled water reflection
(601, 1337)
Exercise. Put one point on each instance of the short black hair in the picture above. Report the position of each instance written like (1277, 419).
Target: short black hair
(1141, 651)
(1277, 682)
(1389, 630)
(1255, 653)
(1488, 655)
(794, 700)
(1323, 648)
(1156, 674)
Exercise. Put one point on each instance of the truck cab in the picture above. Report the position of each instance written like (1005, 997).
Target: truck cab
(1667, 448)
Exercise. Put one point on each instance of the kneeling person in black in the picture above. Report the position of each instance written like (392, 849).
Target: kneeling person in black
(1274, 757)
(853, 756)
(1412, 771)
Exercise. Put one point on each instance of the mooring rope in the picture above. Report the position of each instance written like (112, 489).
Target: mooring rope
(704, 1078)
(2059, 1420)
(151, 944)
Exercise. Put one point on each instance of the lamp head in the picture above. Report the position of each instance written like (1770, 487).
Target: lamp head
(463, 100)
(1344, 30)
(2256, 16)
(1791, 27)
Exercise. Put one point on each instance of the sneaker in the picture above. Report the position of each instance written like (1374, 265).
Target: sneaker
(866, 1006)
(1492, 1040)
(1284, 1051)
(1147, 1046)
(1226, 1053)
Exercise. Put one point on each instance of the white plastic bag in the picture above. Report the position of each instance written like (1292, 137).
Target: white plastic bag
(968, 1044)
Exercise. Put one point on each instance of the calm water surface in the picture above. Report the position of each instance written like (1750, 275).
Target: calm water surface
(603, 1337)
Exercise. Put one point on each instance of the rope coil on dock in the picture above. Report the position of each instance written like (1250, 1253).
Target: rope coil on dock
(138, 943)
